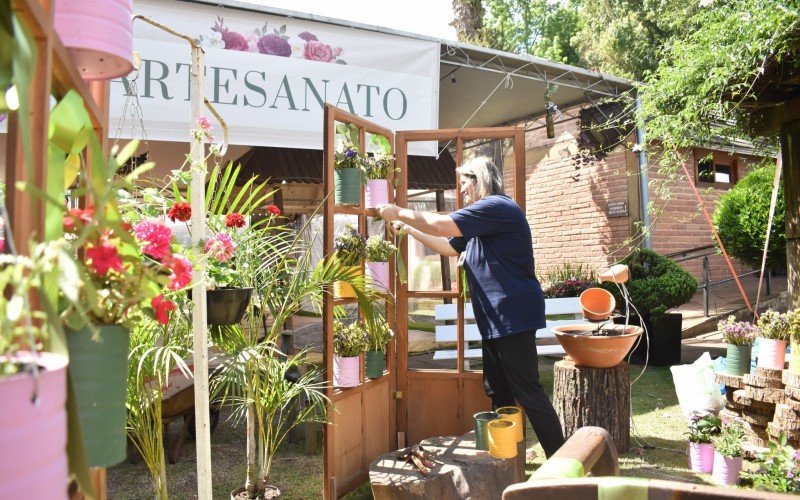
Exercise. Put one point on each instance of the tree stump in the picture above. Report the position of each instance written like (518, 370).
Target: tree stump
(460, 471)
(594, 396)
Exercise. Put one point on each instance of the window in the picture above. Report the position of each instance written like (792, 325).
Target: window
(715, 168)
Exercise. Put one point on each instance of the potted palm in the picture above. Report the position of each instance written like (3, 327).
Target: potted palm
(377, 169)
(350, 249)
(378, 336)
(702, 429)
(740, 336)
(349, 341)
(728, 454)
(774, 329)
(378, 252)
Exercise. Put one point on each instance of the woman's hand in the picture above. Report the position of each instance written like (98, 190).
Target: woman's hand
(388, 212)
(398, 227)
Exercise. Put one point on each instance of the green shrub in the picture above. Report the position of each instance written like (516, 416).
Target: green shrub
(656, 284)
(741, 219)
(729, 442)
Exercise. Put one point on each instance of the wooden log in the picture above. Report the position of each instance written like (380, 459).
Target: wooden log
(729, 380)
(598, 397)
(460, 471)
(783, 410)
(791, 379)
(766, 394)
(792, 403)
(769, 373)
(761, 381)
(793, 393)
(743, 398)
(728, 416)
(756, 419)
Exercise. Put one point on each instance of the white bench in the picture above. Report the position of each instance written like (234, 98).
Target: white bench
(552, 307)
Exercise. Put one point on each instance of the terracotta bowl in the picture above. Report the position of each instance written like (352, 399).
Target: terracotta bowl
(597, 304)
(594, 351)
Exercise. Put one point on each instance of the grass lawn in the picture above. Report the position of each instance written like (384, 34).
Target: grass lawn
(658, 451)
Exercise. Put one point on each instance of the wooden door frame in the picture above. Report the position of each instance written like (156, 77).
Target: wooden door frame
(458, 136)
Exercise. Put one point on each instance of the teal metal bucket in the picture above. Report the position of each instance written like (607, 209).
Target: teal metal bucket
(737, 359)
(347, 186)
(374, 364)
(480, 422)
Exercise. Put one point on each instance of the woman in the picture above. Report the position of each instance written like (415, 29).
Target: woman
(492, 238)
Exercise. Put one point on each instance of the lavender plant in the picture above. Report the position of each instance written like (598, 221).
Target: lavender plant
(350, 247)
(347, 157)
(737, 332)
(379, 166)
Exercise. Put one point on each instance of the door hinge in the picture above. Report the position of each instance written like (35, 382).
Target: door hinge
(398, 394)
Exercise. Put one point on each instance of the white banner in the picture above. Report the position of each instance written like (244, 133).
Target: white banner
(269, 76)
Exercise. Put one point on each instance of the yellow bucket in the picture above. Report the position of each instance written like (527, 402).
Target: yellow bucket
(502, 438)
(794, 361)
(343, 289)
(514, 413)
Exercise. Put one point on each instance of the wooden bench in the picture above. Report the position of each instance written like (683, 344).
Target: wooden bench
(553, 307)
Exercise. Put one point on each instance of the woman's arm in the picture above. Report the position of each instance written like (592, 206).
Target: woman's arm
(428, 223)
(438, 244)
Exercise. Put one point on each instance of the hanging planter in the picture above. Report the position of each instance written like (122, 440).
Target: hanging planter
(33, 463)
(701, 457)
(226, 306)
(347, 186)
(98, 371)
(737, 359)
(771, 354)
(343, 289)
(514, 414)
(480, 422)
(502, 438)
(375, 364)
(376, 192)
(726, 470)
(345, 371)
(378, 276)
(98, 35)
(597, 304)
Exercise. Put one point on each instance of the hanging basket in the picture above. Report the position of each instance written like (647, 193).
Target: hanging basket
(226, 306)
(376, 192)
(33, 460)
(98, 34)
(378, 276)
(98, 371)
(343, 289)
(345, 371)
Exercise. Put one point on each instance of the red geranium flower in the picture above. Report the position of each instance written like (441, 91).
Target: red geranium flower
(274, 210)
(104, 257)
(235, 220)
(161, 308)
(77, 214)
(181, 272)
(180, 211)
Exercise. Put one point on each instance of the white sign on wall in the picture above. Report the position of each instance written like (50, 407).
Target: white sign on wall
(269, 76)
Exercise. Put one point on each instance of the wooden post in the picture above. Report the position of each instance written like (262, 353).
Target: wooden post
(790, 151)
(594, 396)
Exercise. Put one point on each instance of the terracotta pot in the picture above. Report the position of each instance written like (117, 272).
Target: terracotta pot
(737, 360)
(597, 304)
(701, 457)
(98, 34)
(480, 422)
(378, 274)
(596, 351)
(345, 371)
(33, 437)
(771, 354)
(726, 469)
(343, 289)
(376, 192)
(794, 360)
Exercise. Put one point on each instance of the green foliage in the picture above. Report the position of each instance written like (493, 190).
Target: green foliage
(656, 284)
(379, 333)
(568, 280)
(350, 247)
(379, 249)
(794, 326)
(741, 218)
(778, 470)
(379, 166)
(351, 339)
(703, 428)
(729, 442)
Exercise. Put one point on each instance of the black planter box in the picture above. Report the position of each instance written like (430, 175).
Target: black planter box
(226, 306)
(664, 340)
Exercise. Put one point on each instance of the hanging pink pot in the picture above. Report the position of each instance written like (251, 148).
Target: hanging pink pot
(771, 353)
(376, 193)
(33, 436)
(98, 34)
(726, 469)
(345, 371)
(701, 457)
(378, 276)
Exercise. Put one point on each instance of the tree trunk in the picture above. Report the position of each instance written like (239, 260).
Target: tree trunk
(594, 396)
(468, 20)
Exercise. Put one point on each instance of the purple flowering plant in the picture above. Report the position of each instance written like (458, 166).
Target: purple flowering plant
(349, 340)
(778, 468)
(350, 247)
(737, 332)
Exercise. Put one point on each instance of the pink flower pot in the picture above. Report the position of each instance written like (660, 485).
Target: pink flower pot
(345, 371)
(376, 192)
(378, 275)
(98, 34)
(33, 437)
(771, 353)
(701, 457)
(726, 469)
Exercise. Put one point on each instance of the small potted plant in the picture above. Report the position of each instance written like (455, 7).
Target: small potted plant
(379, 251)
(347, 175)
(728, 454)
(794, 333)
(378, 335)
(702, 429)
(740, 336)
(773, 335)
(349, 341)
(350, 249)
(377, 169)
(778, 469)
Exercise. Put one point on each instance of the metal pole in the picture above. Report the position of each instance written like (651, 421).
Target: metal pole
(644, 195)
(769, 275)
(706, 280)
(198, 186)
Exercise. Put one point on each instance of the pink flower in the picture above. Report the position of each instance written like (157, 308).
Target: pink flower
(181, 272)
(220, 247)
(235, 220)
(2, 244)
(157, 237)
(161, 308)
(205, 124)
(103, 257)
(274, 45)
(234, 41)
(318, 51)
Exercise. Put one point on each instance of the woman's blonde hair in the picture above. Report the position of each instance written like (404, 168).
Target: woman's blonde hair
(488, 180)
